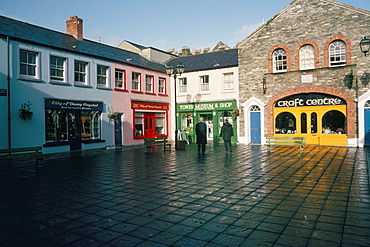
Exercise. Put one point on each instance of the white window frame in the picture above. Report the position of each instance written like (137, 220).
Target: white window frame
(85, 73)
(280, 60)
(204, 83)
(136, 82)
(307, 57)
(183, 85)
(149, 83)
(120, 79)
(53, 79)
(35, 64)
(102, 79)
(228, 81)
(161, 85)
(337, 53)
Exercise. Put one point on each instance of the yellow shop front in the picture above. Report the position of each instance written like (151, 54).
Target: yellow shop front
(321, 118)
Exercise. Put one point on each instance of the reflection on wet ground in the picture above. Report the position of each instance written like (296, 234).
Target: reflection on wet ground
(250, 197)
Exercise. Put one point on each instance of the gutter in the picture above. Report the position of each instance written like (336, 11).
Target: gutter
(8, 81)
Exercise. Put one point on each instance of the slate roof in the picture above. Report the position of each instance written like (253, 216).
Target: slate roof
(208, 61)
(28, 33)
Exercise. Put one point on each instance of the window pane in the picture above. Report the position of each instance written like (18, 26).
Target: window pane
(56, 125)
(119, 78)
(279, 60)
(337, 53)
(303, 123)
(307, 57)
(334, 122)
(285, 123)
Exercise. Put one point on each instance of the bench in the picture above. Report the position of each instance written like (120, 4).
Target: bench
(286, 141)
(149, 143)
(22, 154)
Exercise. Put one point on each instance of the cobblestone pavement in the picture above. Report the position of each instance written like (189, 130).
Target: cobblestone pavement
(250, 197)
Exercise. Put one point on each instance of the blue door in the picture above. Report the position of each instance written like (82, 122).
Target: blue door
(255, 127)
(118, 131)
(367, 126)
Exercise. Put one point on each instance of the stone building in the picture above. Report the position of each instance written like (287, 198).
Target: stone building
(302, 73)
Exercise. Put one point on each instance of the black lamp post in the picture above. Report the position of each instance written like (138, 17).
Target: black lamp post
(178, 70)
(365, 45)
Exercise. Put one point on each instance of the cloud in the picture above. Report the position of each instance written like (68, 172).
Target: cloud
(245, 31)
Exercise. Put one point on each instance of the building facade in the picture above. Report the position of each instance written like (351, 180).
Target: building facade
(207, 89)
(63, 92)
(302, 74)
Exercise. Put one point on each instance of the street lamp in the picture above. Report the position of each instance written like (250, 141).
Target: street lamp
(365, 45)
(178, 70)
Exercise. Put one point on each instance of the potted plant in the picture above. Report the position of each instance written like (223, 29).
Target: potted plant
(113, 116)
(25, 112)
(235, 113)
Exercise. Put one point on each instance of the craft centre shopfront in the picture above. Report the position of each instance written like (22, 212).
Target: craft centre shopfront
(213, 114)
(321, 118)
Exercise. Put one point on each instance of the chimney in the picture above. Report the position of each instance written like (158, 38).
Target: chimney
(74, 27)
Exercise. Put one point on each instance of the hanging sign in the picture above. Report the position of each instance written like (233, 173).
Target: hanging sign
(299, 100)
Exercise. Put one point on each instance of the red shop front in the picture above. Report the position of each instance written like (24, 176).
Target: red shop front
(150, 118)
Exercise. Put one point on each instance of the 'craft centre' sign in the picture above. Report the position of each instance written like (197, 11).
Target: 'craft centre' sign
(300, 100)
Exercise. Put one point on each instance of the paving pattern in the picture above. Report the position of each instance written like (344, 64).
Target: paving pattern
(250, 197)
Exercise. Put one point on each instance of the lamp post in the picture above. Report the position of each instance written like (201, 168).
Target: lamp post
(365, 45)
(178, 70)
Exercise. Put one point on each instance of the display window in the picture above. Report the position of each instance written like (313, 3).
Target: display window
(148, 125)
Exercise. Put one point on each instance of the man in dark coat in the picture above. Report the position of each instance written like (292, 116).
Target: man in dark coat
(201, 132)
(227, 132)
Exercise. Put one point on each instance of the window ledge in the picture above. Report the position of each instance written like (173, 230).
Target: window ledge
(103, 88)
(160, 94)
(150, 93)
(24, 78)
(77, 84)
(133, 91)
(61, 83)
(120, 89)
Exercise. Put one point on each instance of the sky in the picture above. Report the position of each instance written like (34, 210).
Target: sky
(162, 24)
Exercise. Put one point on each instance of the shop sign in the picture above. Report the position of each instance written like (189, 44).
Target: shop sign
(56, 104)
(225, 105)
(3, 92)
(148, 106)
(310, 100)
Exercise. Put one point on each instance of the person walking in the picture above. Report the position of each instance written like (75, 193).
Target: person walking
(227, 132)
(201, 132)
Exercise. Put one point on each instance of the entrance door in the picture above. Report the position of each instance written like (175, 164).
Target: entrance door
(309, 126)
(149, 125)
(367, 126)
(74, 130)
(208, 120)
(255, 127)
(118, 131)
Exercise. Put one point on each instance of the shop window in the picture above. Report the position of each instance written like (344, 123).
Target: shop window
(337, 53)
(159, 123)
(139, 124)
(285, 123)
(304, 123)
(90, 125)
(279, 60)
(313, 122)
(183, 85)
(57, 68)
(223, 116)
(334, 122)
(187, 122)
(56, 126)
(162, 86)
(29, 64)
(307, 57)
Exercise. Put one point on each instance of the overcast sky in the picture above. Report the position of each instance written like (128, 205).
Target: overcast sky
(162, 24)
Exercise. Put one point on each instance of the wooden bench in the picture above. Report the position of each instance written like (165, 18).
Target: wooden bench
(22, 154)
(286, 141)
(149, 143)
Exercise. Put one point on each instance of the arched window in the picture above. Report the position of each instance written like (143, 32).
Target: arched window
(307, 57)
(285, 123)
(279, 60)
(367, 103)
(337, 53)
(254, 108)
(334, 122)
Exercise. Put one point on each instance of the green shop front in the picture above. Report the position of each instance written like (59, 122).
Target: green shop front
(213, 114)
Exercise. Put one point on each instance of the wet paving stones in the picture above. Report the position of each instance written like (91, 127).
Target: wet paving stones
(251, 197)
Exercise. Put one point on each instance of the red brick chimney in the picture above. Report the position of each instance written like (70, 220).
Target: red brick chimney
(74, 27)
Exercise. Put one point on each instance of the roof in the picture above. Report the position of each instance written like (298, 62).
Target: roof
(208, 61)
(28, 33)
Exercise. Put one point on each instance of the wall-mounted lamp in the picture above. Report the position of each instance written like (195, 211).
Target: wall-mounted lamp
(348, 80)
(365, 45)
